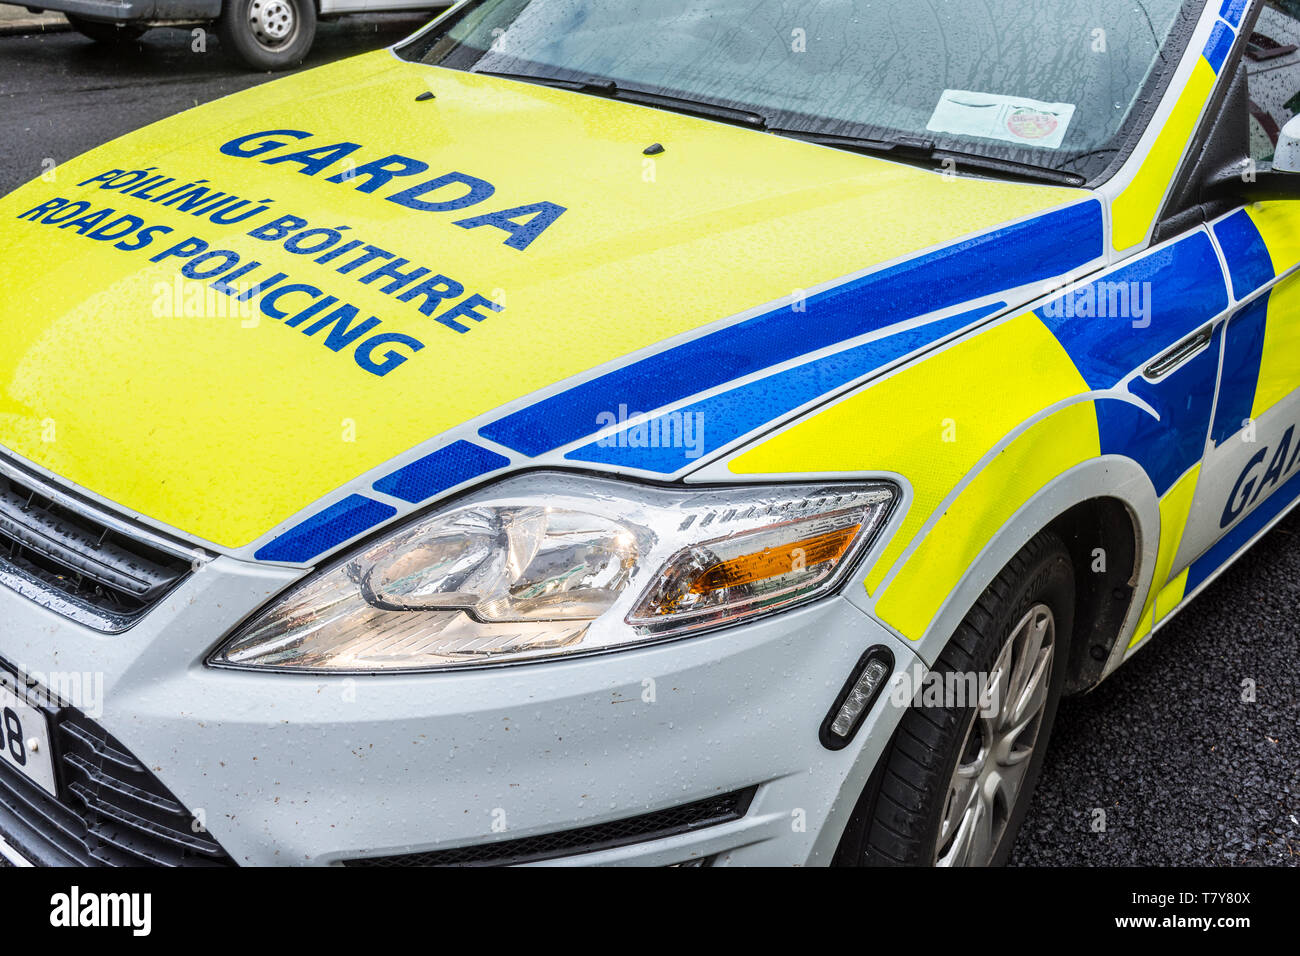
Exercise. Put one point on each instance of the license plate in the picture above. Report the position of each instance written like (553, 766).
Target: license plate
(25, 737)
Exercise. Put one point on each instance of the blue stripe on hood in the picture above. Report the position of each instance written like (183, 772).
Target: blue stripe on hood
(1042, 248)
(707, 425)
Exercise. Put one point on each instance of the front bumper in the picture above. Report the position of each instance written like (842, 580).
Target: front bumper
(291, 769)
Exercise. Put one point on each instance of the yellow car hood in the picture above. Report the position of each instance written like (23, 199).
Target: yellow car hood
(122, 377)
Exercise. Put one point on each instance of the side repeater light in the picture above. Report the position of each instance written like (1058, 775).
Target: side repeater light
(860, 691)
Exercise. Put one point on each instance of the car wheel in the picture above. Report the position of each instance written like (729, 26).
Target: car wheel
(955, 782)
(267, 34)
(114, 34)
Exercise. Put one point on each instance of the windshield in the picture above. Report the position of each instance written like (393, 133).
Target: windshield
(1048, 83)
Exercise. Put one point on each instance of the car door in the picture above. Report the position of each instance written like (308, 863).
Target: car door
(1251, 471)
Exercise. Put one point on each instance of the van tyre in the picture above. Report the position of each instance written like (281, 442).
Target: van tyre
(110, 34)
(953, 787)
(267, 34)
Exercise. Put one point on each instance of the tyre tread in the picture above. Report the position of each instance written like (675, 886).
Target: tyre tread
(916, 762)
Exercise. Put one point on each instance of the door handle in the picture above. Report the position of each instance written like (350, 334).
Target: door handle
(1195, 343)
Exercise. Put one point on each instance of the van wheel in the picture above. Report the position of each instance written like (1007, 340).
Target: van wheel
(956, 781)
(267, 34)
(113, 34)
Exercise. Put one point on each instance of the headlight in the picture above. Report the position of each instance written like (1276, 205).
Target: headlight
(549, 564)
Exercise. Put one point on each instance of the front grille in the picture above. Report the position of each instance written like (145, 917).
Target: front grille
(112, 812)
(67, 555)
(602, 836)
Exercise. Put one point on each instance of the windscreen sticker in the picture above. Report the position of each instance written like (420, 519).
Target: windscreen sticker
(1008, 118)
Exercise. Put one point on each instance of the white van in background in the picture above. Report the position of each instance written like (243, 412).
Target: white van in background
(264, 34)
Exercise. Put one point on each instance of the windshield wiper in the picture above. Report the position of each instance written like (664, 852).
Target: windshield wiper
(922, 150)
(905, 150)
(680, 104)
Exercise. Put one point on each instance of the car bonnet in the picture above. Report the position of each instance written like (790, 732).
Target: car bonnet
(542, 262)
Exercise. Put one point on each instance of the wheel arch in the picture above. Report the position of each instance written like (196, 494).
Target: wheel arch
(1105, 503)
(1103, 538)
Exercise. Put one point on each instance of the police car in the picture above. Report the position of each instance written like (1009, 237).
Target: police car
(672, 432)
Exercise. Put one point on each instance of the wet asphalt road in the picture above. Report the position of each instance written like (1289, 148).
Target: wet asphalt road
(1187, 771)
(61, 94)
(1184, 770)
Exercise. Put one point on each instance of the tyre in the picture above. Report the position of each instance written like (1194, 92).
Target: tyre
(953, 787)
(267, 34)
(114, 34)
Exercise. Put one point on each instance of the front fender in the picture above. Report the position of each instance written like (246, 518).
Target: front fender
(915, 596)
